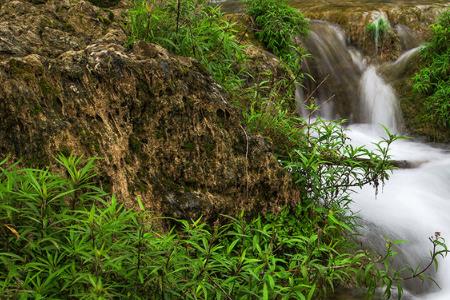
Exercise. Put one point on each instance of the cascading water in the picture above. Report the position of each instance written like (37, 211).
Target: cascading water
(378, 102)
(415, 203)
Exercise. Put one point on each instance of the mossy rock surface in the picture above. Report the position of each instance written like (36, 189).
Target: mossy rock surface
(104, 3)
(164, 130)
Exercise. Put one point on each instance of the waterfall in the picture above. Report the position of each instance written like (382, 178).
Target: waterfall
(414, 203)
(379, 104)
(336, 69)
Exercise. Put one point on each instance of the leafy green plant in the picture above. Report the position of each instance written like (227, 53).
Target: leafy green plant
(378, 28)
(277, 26)
(327, 168)
(432, 81)
(101, 250)
(191, 28)
(61, 236)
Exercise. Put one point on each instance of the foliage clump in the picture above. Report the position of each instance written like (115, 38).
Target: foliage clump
(277, 26)
(191, 28)
(64, 237)
(378, 29)
(432, 81)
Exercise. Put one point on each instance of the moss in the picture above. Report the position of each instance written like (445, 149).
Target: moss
(188, 146)
(64, 150)
(417, 124)
(134, 143)
(210, 146)
(37, 109)
(105, 19)
(159, 133)
(48, 90)
(18, 68)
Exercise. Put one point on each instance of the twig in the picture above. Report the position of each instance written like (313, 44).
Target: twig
(246, 161)
(433, 256)
(178, 14)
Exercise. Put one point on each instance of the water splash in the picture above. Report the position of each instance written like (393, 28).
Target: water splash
(413, 205)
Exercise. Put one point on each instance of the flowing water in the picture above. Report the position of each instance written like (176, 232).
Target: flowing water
(415, 203)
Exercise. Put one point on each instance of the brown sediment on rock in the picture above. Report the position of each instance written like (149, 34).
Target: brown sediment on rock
(164, 130)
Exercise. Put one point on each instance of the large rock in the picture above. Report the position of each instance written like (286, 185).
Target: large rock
(164, 129)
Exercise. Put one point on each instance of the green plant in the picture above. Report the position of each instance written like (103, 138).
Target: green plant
(191, 28)
(327, 168)
(432, 81)
(100, 249)
(277, 26)
(378, 30)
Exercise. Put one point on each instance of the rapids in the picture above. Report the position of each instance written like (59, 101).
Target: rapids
(414, 203)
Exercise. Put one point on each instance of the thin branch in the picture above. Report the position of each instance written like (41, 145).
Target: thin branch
(434, 254)
(178, 14)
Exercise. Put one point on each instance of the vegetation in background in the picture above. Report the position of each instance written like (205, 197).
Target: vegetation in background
(277, 26)
(432, 81)
(191, 28)
(378, 29)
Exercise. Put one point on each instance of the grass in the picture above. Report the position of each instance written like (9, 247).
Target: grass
(277, 27)
(63, 237)
(378, 28)
(304, 251)
(195, 29)
(432, 81)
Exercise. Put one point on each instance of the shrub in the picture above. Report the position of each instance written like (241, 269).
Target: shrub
(277, 26)
(327, 168)
(191, 28)
(63, 237)
(432, 81)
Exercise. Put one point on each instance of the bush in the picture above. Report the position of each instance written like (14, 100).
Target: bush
(63, 237)
(277, 26)
(432, 82)
(191, 28)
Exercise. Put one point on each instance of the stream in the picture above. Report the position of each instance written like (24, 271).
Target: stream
(414, 204)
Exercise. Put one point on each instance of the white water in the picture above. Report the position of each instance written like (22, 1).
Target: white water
(414, 203)
(378, 102)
